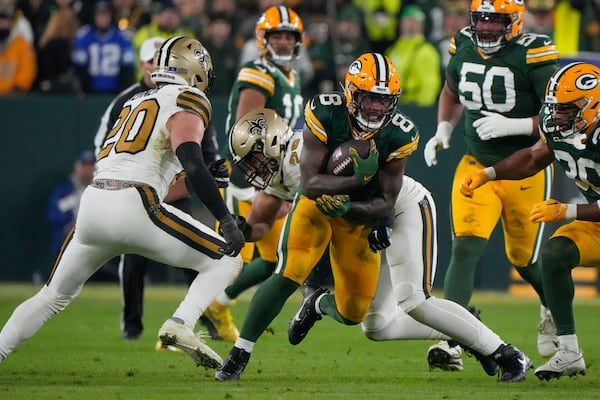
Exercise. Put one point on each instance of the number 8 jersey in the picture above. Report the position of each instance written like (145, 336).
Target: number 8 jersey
(510, 82)
(327, 118)
(138, 147)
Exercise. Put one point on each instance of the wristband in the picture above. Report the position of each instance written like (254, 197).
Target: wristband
(491, 173)
(571, 212)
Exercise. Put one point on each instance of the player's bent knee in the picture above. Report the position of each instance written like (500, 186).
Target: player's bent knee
(408, 296)
(373, 324)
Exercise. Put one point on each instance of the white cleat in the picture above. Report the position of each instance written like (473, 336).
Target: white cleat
(547, 341)
(180, 336)
(442, 356)
(564, 363)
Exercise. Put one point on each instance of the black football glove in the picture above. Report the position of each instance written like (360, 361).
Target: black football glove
(220, 172)
(243, 226)
(228, 228)
(379, 238)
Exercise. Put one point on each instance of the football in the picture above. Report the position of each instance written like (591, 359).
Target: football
(340, 163)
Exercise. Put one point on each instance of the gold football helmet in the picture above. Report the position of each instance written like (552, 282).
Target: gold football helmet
(509, 13)
(183, 61)
(257, 143)
(371, 78)
(574, 92)
(276, 19)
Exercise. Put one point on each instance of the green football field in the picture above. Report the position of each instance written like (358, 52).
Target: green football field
(79, 354)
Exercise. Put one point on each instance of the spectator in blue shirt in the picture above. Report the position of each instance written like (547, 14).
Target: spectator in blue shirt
(63, 203)
(103, 56)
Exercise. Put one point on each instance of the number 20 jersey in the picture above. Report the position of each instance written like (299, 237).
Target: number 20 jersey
(138, 147)
(510, 82)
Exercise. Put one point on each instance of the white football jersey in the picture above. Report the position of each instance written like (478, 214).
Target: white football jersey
(138, 148)
(286, 181)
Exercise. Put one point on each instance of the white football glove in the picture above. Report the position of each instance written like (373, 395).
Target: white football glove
(439, 141)
(495, 125)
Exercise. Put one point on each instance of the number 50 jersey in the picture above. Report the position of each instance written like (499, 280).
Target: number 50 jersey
(138, 147)
(510, 82)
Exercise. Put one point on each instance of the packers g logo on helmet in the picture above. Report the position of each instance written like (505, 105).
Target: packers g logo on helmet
(575, 88)
(277, 19)
(509, 13)
(372, 76)
(257, 143)
(184, 61)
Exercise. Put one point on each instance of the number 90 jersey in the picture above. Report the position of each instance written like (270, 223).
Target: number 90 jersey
(580, 161)
(138, 147)
(327, 118)
(511, 82)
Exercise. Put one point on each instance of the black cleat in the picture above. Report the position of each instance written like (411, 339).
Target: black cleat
(513, 363)
(487, 362)
(233, 366)
(306, 317)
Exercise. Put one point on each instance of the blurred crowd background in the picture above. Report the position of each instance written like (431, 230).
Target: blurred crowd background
(87, 47)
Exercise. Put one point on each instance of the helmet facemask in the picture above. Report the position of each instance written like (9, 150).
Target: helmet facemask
(257, 143)
(372, 110)
(258, 169)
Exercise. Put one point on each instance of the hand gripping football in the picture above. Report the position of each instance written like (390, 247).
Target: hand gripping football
(340, 162)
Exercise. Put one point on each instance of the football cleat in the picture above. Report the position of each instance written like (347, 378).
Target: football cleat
(182, 337)
(513, 363)
(487, 363)
(234, 365)
(564, 363)
(218, 321)
(306, 317)
(547, 341)
(441, 355)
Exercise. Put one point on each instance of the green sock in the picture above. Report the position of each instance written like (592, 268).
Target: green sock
(253, 273)
(460, 277)
(559, 256)
(266, 305)
(533, 274)
(328, 306)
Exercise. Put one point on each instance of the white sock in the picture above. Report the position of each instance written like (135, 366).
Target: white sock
(223, 299)
(244, 344)
(569, 342)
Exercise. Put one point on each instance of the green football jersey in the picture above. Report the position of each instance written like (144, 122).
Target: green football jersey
(283, 92)
(580, 161)
(510, 82)
(327, 118)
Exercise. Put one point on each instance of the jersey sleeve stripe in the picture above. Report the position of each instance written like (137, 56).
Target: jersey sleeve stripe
(195, 103)
(541, 54)
(314, 124)
(402, 152)
(257, 78)
(452, 47)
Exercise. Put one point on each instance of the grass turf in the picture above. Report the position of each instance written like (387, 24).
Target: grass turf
(79, 354)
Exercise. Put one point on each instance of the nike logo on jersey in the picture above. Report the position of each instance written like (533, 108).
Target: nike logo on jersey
(525, 187)
(312, 104)
(413, 138)
(547, 42)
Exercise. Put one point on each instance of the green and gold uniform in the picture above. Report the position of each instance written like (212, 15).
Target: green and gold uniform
(307, 232)
(582, 165)
(510, 82)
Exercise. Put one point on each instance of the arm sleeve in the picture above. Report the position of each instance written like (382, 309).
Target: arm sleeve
(200, 179)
